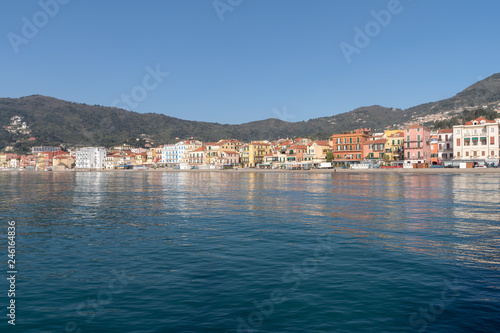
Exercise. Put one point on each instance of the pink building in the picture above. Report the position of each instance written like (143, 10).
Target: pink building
(230, 158)
(417, 148)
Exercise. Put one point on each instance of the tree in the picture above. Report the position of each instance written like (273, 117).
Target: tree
(329, 156)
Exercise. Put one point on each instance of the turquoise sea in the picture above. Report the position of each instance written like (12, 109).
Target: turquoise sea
(252, 252)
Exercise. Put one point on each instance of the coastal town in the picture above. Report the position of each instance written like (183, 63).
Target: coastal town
(472, 144)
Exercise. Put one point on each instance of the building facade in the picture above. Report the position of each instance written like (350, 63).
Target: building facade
(445, 146)
(349, 145)
(417, 148)
(90, 158)
(477, 141)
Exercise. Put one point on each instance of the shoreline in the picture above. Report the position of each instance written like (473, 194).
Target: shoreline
(313, 171)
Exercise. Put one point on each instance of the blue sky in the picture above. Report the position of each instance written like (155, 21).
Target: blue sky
(265, 59)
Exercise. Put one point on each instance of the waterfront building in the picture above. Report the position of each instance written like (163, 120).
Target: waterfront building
(141, 158)
(44, 160)
(113, 160)
(445, 146)
(417, 148)
(253, 153)
(317, 151)
(229, 157)
(295, 153)
(477, 141)
(3, 161)
(63, 162)
(348, 146)
(374, 149)
(175, 154)
(394, 145)
(434, 148)
(197, 156)
(230, 145)
(90, 158)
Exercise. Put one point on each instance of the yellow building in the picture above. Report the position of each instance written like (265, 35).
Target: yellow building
(230, 145)
(394, 145)
(141, 158)
(253, 154)
(3, 161)
(212, 152)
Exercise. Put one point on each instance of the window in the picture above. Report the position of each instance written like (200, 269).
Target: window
(458, 132)
(418, 129)
(408, 155)
(483, 153)
(418, 137)
(350, 140)
(458, 154)
(458, 142)
(492, 140)
(418, 144)
(418, 154)
(407, 145)
(407, 138)
(466, 153)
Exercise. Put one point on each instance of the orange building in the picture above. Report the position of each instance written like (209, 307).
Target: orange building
(434, 149)
(348, 146)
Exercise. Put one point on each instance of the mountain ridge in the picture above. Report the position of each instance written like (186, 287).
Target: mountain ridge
(54, 121)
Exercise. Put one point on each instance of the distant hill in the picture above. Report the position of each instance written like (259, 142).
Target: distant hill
(53, 121)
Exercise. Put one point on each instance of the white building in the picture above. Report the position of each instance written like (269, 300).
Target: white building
(178, 153)
(91, 158)
(445, 146)
(477, 141)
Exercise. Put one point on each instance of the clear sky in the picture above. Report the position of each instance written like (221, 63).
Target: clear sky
(247, 60)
